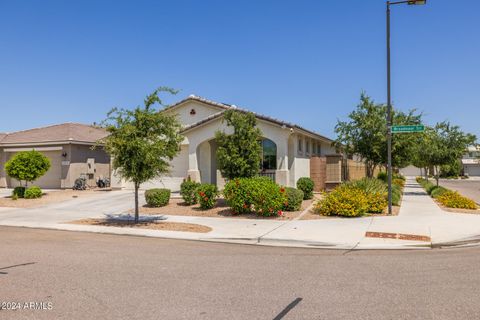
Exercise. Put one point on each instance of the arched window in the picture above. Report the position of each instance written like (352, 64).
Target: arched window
(269, 155)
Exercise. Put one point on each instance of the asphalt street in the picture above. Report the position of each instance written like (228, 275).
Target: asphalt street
(94, 276)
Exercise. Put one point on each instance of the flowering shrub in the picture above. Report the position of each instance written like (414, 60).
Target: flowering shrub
(188, 191)
(306, 185)
(452, 199)
(207, 195)
(259, 194)
(345, 200)
(294, 199)
(399, 182)
(377, 202)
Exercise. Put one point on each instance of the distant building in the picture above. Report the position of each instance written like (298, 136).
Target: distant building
(471, 161)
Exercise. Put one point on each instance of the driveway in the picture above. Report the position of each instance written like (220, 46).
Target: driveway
(95, 276)
(469, 188)
(98, 205)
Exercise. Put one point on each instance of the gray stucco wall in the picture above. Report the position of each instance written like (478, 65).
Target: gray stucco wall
(78, 155)
(74, 163)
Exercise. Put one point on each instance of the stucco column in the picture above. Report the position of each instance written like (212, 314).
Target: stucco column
(281, 174)
(193, 171)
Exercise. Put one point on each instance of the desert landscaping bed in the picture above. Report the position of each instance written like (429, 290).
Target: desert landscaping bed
(152, 225)
(457, 210)
(310, 215)
(177, 207)
(48, 197)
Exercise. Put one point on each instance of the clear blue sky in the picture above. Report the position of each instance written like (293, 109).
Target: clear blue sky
(300, 61)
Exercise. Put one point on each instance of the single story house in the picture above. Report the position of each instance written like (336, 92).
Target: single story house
(69, 148)
(286, 147)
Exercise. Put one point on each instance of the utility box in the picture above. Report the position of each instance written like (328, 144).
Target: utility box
(91, 166)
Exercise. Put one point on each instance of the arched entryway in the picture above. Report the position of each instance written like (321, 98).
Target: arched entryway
(207, 161)
(206, 155)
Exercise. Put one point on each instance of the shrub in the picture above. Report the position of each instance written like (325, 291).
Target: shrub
(157, 197)
(306, 185)
(396, 194)
(207, 195)
(382, 175)
(438, 191)
(19, 192)
(399, 182)
(376, 191)
(33, 192)
(14, 197)
(344, 200)
(258, 194)
(369, 185)
(377, 202)
(188, 191)
(294, 199)
(452, 199)
(427, 185)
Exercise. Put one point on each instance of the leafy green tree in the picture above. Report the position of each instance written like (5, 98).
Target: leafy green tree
(142, 141)
(453, 169)
(239, 154)
(364, 134)
(443, 145)
(27, 166)
(423, 150)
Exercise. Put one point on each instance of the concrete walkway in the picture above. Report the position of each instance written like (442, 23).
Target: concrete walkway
(419, 217)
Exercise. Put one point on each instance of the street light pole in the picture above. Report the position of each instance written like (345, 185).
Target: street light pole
(389, 116)
(389, 99)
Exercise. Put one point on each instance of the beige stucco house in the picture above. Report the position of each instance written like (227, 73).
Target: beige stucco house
(287, 148)
(69, 148)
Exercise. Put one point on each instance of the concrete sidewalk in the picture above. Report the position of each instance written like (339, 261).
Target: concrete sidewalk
(419, 216)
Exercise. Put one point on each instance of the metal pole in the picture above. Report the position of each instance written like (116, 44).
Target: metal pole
(389, 116)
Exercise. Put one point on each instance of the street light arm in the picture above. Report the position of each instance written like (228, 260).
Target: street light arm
(398, 2)
(410, 2)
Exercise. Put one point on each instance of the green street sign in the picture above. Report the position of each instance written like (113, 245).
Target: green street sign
(407, 129)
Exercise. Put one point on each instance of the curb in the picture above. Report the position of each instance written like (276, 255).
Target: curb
(272, 242)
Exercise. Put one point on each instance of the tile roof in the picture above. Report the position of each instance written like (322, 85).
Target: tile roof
(73, 132)
(229, 106)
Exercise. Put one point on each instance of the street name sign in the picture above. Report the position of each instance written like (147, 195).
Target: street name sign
(407, 129)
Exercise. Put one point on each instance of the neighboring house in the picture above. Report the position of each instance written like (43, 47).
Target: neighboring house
(287, 148)
(69, 148)
(471, 161)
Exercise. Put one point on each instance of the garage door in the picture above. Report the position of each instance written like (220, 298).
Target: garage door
(473, 170)
(51, 179)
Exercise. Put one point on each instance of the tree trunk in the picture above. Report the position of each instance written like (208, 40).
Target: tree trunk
(437, 174)
(370, 169)
(426, 173)
(136, 202)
